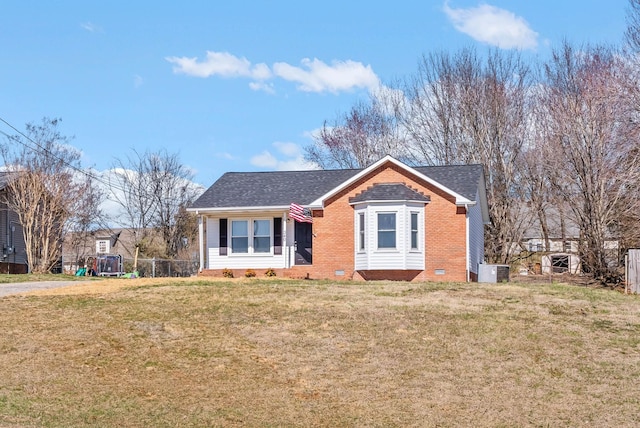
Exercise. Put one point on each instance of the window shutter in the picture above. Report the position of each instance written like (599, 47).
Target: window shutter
(277, 235)
(223, 236)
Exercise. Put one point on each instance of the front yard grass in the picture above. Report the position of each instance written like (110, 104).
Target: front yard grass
(311, 353)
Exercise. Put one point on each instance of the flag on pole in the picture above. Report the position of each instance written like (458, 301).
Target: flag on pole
(300, 213)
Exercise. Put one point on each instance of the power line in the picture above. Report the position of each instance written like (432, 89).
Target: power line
(50, 153)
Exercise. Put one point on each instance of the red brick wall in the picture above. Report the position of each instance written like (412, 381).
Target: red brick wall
(445, 224)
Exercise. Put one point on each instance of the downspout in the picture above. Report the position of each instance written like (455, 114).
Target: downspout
(468, 255)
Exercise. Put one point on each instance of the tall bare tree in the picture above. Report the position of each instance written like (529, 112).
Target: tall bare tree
(365, 134)
(47, 189)
(462, 108)
(152, 188)
(593, 128)
(632, 33)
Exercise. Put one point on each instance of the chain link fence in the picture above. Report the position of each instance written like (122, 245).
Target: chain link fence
(162, 267)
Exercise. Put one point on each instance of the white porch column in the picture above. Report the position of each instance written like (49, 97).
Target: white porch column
(201, 244)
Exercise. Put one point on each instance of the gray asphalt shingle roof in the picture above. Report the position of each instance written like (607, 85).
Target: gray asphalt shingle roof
(281, 188)
(389, 192)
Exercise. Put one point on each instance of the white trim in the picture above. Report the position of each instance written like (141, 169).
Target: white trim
(393, 201)
(201, 220)
(468, 252)
(251, 252)
(320, 201)
(399, 257)
(236, 209)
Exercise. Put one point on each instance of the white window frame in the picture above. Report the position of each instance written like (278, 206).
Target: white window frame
(362, 232)
(412, 231)
(395, 230)
(250, 237)
(103, 246)
(232, 236)
(269, 236)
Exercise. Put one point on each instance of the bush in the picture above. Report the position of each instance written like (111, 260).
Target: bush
(227, 273)
(270, 272)
(250, 273)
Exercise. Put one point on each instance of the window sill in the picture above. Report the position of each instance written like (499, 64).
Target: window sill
(251, 254)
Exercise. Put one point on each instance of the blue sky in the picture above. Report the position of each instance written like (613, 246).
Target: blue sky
(241, 86)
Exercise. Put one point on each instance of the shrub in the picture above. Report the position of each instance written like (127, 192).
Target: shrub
(250, 273)
(270, 272)
(227, 273)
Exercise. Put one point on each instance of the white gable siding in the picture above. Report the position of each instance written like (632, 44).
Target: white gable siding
(476, 236)
(361, 255)
(415, 257)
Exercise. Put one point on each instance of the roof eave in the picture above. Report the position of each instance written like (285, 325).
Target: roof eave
(320, 201)
(207, 210)
(394, 201)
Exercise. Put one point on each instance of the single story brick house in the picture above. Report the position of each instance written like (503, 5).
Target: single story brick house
(386, 221)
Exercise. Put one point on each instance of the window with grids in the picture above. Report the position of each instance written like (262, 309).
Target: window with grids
(414, 231)
(361, 231)
(261, 236)
(386, 230)
(239, 236)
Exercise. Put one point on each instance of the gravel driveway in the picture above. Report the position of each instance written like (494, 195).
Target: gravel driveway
(23, 287)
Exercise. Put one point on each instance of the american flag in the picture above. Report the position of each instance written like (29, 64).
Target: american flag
(300, 213)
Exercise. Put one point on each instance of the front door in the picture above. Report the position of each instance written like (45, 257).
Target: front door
(303, 245)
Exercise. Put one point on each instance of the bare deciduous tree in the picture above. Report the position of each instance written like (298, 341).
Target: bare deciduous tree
(46, 190)
(632, 34)
(361, 137)
(593, 129)
(462, 109)
(152, 189)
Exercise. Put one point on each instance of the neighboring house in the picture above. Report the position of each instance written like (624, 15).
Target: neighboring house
(78, 246)
(14, 256)
(560, 252)
(387, 221)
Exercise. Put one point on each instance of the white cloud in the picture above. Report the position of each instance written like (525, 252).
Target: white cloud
(219, 63)
(264, 160)
(494, 26)
(226, 155)
(91, 27)
(293, 158)
(313, 76)
(288, 149)
(137, 81)
(316, 76)
(262, 86)
(115, 197)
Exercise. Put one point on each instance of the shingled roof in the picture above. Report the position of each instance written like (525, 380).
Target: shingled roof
(389, 192)
(281, 188)
(266, 189)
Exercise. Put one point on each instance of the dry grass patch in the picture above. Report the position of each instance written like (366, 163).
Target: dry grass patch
(288, 353)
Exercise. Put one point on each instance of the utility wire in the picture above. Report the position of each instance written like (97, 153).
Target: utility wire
(45, 150)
